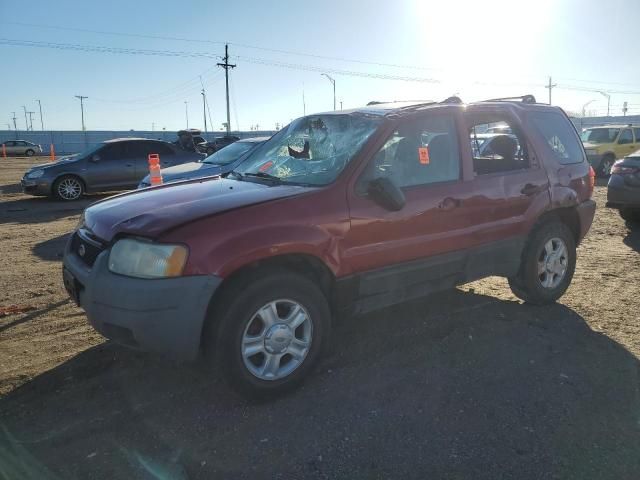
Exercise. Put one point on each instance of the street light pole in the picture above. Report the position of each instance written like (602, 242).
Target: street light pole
(333, 82)
(584, 114)
(82, 98)
(26, 122)
(608, 97)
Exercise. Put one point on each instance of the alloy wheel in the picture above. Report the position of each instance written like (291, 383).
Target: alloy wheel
(552, 263)
(69, 189)
(277, 339)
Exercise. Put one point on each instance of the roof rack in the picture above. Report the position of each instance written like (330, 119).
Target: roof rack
(523, 99)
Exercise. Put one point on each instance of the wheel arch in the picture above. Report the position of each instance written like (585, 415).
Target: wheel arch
(567, 215)
(303, 264)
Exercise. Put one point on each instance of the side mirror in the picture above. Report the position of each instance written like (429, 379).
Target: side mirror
(95, 158)
(385, 193)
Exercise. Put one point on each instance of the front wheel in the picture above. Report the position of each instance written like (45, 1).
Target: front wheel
(548, 264)
(68, 188)
(604, 169)
(270, 333)
(30, 153)
(631, 215)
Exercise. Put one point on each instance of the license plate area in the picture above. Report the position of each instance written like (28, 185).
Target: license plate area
(71, 285)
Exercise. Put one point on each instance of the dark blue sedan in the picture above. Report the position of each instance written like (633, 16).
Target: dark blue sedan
(221, 162)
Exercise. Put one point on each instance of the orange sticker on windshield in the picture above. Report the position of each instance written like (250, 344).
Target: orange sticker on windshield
(423, 154)
(266, 166)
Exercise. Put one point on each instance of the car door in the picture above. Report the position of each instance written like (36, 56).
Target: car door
(10, 147)
(625, 144)
(510, 188)
(396, 255)
(20, 148)
(142, 151)
(111, 167)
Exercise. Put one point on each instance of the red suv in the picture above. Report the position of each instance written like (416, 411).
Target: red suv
(353, 210)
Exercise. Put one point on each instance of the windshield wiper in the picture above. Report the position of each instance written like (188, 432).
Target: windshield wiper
(236, 174)
(266, 176)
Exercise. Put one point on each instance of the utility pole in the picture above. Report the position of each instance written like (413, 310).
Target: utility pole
(15, 125)
(340, 104)
(41, 122)
(26, 122)
(226, 65)
(186, 112)
(304, 103)
(625, 108)
(153, 126)
(550, 86)
(31, 119)
(333, 82)
(204, 109)
(82, 98)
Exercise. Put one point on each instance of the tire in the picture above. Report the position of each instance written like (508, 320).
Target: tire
(541, 282)
(240, 323)
(68, 188)
(631, 215)
(604, 169)
(30, 153)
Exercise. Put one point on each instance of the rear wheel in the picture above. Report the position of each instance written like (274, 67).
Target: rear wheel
(604, 170)
(270, 333)
(548, 263)
(30, 153)
(630, 214)
(68, 188)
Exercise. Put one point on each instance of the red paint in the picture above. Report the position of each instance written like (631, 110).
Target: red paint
(229, 224)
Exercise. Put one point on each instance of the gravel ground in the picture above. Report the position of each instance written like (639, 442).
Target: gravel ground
(471, 384)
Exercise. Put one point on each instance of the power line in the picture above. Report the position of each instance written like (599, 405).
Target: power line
(219, 42)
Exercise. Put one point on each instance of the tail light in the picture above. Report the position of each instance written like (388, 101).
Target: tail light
(620, 169)
(592, 180)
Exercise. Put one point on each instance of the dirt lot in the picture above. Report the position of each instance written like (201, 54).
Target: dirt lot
(470, 384)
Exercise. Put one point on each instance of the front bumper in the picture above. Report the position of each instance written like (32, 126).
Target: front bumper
(586, 211)
(159, 315)
(621, 193)
(38, 186)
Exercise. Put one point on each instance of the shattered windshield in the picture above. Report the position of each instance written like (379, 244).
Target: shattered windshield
(311, 150)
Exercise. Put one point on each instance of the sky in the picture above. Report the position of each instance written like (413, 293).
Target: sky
(374, 50)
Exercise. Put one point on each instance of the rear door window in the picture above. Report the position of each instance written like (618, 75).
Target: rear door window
(560, 136)
(626, 137)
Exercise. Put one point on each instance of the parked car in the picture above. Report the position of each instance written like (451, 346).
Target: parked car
(216, 144)
(344, 211)
(482, 143)
(221, 162)
(112, 165)
(623, 191)
(607, 143)
(504, 129)
(18, 148)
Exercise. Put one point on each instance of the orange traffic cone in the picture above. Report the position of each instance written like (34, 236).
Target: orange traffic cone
(53, 153)
(4, 151)
(154, 169)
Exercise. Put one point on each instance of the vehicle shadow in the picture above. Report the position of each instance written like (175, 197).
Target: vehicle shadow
(52, 249)
(459, 385)
(42, 209)
(632, 238)
(33, 314)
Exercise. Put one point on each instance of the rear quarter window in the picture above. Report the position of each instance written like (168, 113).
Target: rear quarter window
(560, 136)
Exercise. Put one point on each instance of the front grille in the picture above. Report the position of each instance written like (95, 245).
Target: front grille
(87, 250)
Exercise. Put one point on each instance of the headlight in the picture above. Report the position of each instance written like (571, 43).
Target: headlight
(136, 258)
(35, 174)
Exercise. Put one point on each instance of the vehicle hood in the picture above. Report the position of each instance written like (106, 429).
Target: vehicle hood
(592, 145)
(61, 160)
(152, 211)
(186, 171)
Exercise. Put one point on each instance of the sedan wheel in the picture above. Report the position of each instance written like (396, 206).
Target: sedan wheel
(68, 188)
(277, 339)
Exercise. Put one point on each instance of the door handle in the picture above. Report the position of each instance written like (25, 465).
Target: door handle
(531, 189)
(449, 203)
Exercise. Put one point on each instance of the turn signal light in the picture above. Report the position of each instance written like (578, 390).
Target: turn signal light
(592, 180)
